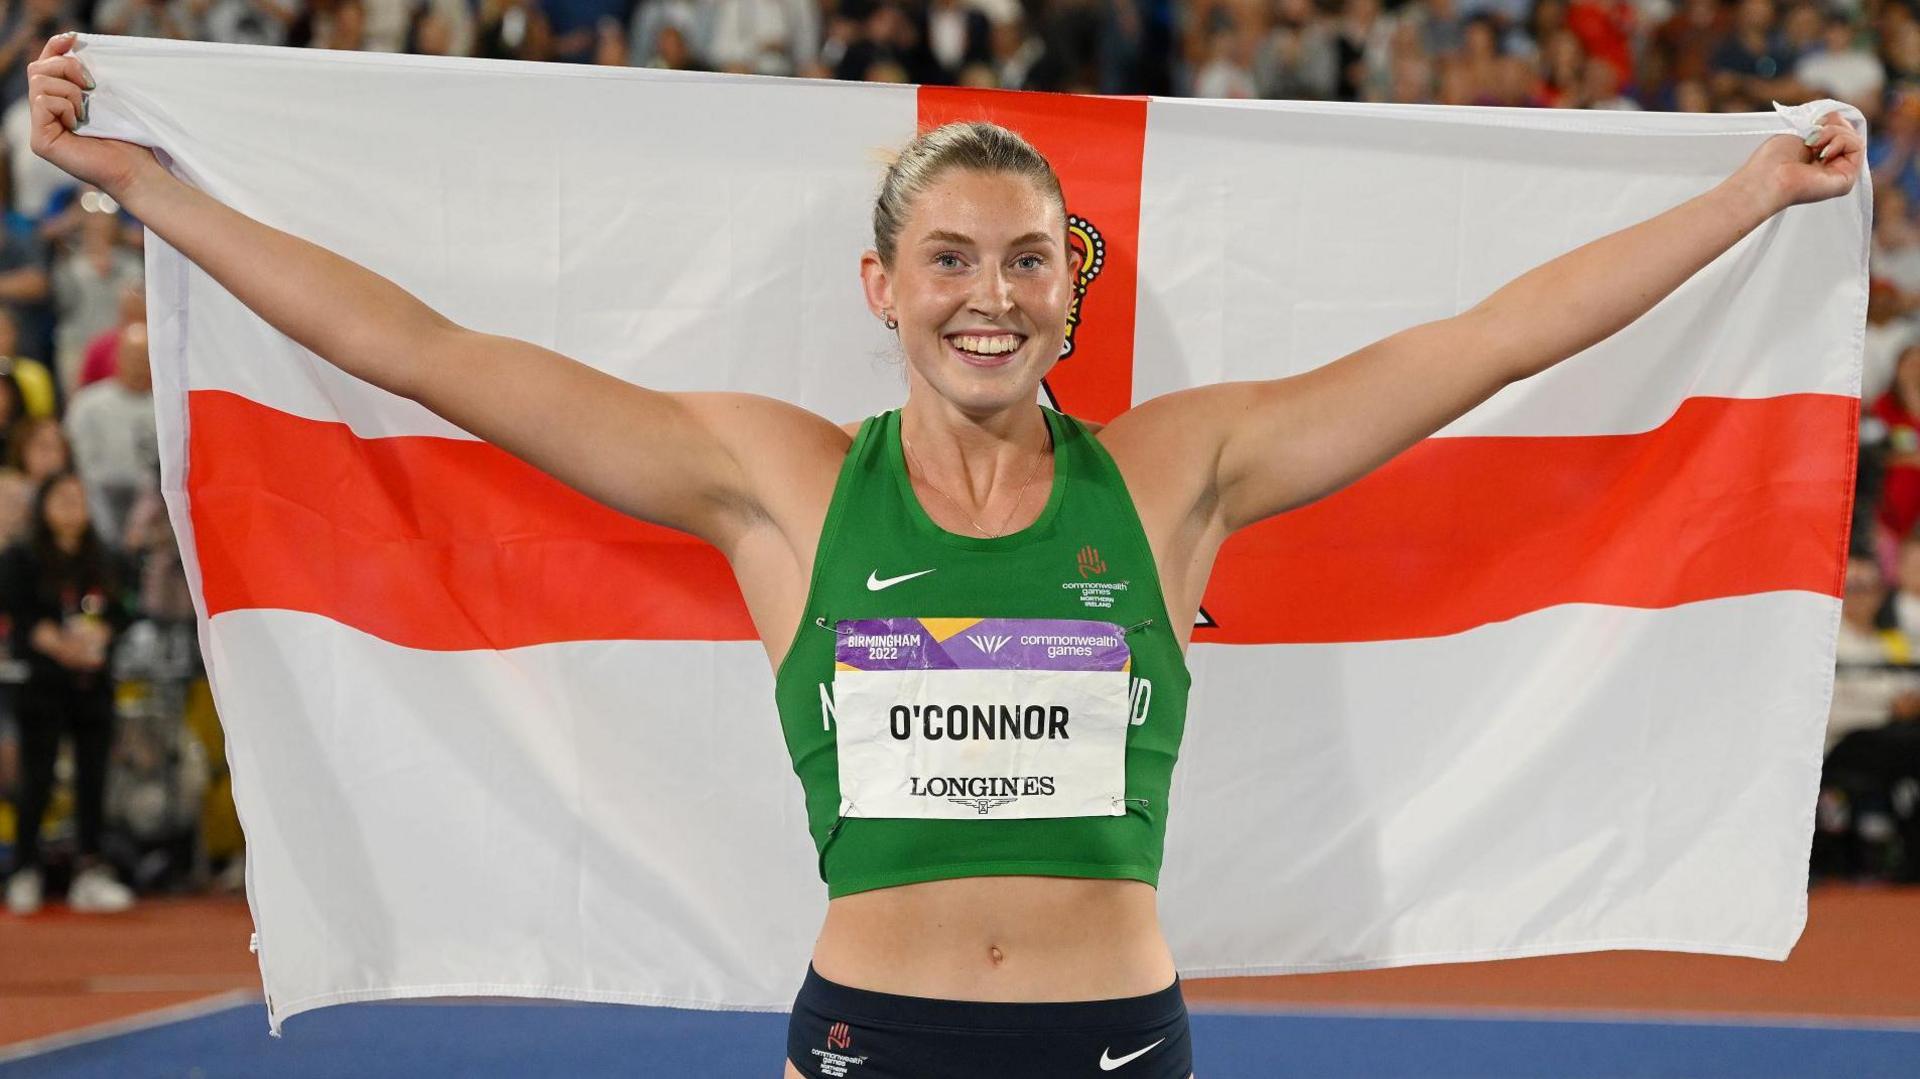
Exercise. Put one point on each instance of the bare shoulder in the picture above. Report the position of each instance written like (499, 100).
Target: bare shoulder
(1178, 418)
(787, 458)
(1167, 450)
(1167, 447)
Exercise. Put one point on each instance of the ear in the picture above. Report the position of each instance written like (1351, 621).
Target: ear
(878, 285)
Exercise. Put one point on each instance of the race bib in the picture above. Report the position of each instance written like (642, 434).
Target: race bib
(981, 718)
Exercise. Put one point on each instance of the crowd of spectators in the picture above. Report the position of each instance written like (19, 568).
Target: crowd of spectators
(85, 548)
(1690, 55)
(86, 554)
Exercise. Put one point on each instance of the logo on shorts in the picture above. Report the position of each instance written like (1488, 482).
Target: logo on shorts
(1108, 1063)
(834, 1060)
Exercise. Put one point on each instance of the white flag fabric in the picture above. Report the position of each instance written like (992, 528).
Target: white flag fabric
(1553, 680)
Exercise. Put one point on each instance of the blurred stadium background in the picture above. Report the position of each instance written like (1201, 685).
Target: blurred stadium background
(124, 953)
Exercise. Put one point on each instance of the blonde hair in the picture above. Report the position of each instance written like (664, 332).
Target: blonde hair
(978, 146)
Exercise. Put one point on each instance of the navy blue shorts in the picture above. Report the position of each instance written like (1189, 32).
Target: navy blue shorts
(838, 1032)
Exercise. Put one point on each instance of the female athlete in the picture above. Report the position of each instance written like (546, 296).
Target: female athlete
(984, 918)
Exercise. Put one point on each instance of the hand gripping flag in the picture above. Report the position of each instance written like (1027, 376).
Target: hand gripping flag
(1553, 680)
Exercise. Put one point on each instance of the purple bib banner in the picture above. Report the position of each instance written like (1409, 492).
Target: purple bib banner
(1010, 644)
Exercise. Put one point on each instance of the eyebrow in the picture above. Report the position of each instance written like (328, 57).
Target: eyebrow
(944, 237)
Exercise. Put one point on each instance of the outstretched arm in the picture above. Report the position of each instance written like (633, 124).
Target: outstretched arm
(691, 461)
(1283, 443)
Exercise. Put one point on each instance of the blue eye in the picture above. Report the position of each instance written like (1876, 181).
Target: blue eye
(1036, 260)
(942, 260)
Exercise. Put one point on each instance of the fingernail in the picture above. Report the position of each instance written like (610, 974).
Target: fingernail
(1823, 151)
(1811, 136)
(91, 85)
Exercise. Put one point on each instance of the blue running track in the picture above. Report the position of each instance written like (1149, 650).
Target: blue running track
(435, 1041)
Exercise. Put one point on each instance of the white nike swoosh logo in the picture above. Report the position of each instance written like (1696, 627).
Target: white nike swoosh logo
(875, 584)
(1107, 1063)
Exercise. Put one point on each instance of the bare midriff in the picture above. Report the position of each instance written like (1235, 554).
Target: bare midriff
(1025, 939)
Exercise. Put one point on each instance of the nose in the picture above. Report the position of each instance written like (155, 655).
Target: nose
(992, 292)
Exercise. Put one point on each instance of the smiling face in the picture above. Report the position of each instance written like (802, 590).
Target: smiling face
(980, 284)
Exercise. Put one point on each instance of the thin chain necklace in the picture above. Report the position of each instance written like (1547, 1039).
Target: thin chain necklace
(1017, 499)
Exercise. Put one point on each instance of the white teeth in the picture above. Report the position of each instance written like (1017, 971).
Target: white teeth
(985, 346)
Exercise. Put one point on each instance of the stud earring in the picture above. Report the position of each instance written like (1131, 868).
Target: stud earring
(892, 323)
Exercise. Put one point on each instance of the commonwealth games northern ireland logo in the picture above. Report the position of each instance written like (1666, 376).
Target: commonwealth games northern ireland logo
(1097, 593)
(1089, 254)
(1090, 562)
(835, 1060)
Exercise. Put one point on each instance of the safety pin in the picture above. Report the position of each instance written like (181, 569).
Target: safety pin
(1142, 624)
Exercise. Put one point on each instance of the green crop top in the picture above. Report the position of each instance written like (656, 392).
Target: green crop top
(1011, 705)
